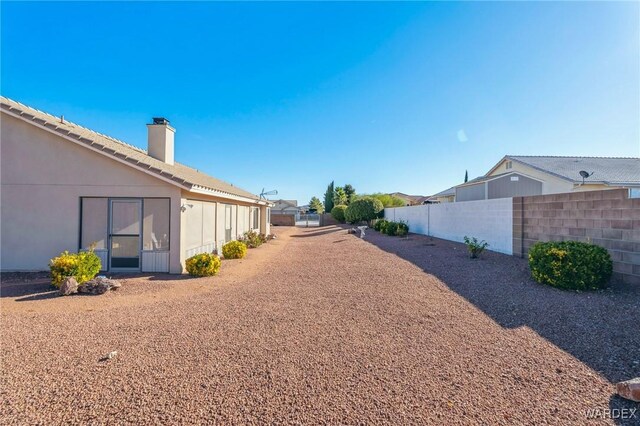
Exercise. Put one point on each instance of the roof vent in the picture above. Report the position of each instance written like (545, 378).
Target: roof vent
(160, 120)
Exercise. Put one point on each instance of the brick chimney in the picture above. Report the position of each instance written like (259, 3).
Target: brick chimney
(160, 142)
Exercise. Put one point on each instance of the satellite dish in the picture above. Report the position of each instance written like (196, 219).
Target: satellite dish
(272, 192)
(584, 175)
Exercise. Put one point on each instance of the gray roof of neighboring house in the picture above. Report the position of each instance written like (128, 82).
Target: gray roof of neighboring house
(445, 193)
(177, 172)
(609, 170)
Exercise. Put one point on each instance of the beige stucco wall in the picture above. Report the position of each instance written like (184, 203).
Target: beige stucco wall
(42, 179)
(189, 197)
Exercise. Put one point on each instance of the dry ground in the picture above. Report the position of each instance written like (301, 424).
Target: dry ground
(315, 327)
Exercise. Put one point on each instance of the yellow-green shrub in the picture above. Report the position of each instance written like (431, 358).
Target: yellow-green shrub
(234, 250)
(570, 265)
(83, 266)
(203, 265)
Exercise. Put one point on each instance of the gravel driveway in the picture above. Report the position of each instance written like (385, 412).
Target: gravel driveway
(315, 327)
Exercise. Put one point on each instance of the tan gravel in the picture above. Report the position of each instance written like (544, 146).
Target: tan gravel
(315, 327)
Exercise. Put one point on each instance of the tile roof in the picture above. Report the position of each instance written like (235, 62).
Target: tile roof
(177, 172)
(609, 170)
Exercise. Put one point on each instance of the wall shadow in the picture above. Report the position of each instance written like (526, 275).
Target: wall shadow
(601, 329)
(316, 233)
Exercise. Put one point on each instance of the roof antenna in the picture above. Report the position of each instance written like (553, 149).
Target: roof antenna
(584, 175)
(272, 192)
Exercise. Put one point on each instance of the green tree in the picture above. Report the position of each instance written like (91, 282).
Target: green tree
(350, 191)
(339, 197)
(386, 199)
(328, 197)
(315, 206)
(466, 176)
(363, 209)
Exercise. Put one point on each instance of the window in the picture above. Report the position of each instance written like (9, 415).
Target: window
(255, 218)
(94, 223)
(508, 165)
(227, 222)
(156, 224)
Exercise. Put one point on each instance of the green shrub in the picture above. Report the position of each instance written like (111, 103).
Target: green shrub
(474, 246)
(570, 265)
(363, 209)
(402, 229)
(234, 250)
(83, 266)
(338, 213)
(252, 239)
(203, 265)
(399, 229)
(380, 225)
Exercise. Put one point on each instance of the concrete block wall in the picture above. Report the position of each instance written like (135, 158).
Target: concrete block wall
(607, 218)
(489, 220)
(283, 219)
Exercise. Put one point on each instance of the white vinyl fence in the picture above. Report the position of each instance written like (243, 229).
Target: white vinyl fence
(490, 220)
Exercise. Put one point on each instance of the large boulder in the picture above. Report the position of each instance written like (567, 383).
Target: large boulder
(99, 285)
(629, 389)
(68, 286)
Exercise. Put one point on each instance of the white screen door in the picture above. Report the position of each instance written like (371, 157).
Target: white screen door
(124, 234)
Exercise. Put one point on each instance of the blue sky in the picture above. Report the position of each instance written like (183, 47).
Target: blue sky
(290, 96)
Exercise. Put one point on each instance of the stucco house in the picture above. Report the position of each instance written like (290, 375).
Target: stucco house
(285, 207)
(516, 175)
(65, 187)
(410, 200)
(446, 196)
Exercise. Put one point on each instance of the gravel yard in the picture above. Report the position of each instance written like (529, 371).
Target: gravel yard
(321, 327)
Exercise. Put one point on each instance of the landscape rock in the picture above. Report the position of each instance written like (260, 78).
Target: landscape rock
(99, 285)
(69, 286)
(629, 389)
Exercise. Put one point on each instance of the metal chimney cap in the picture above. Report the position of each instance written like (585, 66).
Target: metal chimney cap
(160, 120)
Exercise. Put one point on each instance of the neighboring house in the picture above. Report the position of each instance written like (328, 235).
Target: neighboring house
(535, 175)
(65, 187)
(410, 200)
(446, 196)
(285, 207)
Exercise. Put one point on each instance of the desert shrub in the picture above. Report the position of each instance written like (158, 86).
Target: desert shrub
(380, 225)
(402, 229)
(474, 246)
(83, 266)
(252, 239)
(338, 213)
(399, 229)
(570, 265)
(234, 250)
(203, 265)
(363, 209)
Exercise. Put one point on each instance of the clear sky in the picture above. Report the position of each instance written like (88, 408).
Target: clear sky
(289, 96)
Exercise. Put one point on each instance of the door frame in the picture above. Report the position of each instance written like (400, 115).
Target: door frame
(110, 233)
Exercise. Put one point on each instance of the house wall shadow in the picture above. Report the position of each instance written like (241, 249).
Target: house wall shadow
(601, 329)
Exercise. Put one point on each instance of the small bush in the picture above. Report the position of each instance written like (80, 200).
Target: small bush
(234, 250)
(203, 265)
(338, 213)
(363, 210)
(474, 246)
(380, 225)
(399, 229)
(83, 266)
(570, 265)
(402, 229)
(252, 239)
